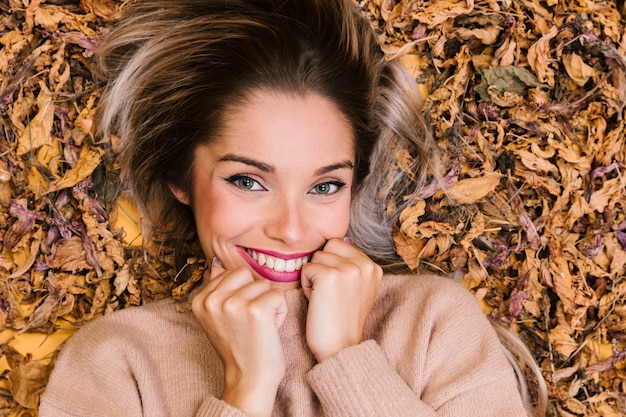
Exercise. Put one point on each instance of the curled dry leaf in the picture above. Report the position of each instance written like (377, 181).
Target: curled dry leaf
(577, 69)
(471, 190)
(28, 382)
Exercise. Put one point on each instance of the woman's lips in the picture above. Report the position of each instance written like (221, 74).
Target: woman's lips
(274, 267)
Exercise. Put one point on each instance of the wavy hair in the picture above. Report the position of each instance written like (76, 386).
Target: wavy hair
(175, 69)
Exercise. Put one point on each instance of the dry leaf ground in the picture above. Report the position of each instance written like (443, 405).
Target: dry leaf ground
(526, 98)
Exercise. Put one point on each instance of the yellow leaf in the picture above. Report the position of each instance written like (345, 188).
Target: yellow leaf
(409, 218)
(564, 343)
(488, 36)
(432, 228)
(601, 350)
(84, 121)
(87, 162)
(37, 184)
(477, 229)
(439, 11)
(48, 152)
(562, 282)
(27, 257)
(611, 190)
(39, 130)
(408, 249)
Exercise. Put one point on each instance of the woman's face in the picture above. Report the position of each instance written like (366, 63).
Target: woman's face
(275, 185)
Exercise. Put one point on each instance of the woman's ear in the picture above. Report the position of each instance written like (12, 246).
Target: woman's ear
(179, 194)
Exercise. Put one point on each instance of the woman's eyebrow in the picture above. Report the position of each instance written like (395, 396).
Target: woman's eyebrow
(347, 164)
(248, 161)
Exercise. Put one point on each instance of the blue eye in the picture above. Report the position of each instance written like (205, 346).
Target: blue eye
(327, 188)
(245, 183)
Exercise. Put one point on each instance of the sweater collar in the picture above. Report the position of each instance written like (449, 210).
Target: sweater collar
(297, 304)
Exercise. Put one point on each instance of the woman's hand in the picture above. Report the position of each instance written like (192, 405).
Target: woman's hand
(241, 317)
(341, 284)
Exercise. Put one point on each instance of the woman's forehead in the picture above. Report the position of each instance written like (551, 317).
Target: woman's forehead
(294, 121)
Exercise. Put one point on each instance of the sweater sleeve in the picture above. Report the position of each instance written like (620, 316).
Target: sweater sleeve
(103, 371)
(439, 356)
(89, 379)
(360, 381)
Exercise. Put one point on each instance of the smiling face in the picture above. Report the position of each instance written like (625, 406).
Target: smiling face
(275, 184)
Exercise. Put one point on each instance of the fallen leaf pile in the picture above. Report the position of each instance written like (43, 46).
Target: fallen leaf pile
(62, 261)
(525, 97)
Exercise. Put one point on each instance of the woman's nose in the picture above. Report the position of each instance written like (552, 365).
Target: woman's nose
(287, 222)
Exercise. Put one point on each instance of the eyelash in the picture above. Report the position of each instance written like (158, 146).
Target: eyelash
(338, 184)
(236, 180)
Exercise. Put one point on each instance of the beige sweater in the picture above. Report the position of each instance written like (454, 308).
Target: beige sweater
(429, 351)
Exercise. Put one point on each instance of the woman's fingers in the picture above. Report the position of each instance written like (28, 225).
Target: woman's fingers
(216, 268)
(341, 284)
(241, 317)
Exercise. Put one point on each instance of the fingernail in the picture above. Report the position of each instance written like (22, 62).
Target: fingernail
(348, 240)
(216, 262)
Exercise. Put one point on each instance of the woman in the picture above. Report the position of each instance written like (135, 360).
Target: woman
(253, 123)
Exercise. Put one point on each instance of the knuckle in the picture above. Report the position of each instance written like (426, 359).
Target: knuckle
(315, 258)
(332, 243)
(256, 311)
(353, 271)
(232, 306)
(200, 303)
(197, 306)
(376, 270)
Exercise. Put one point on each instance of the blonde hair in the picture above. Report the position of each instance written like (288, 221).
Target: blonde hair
(390, 188)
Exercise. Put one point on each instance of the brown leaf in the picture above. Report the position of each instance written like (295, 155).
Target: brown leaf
(471, 190)
(89, 160)
(435, 13)
(577, 69)
(539, 58)
(102, 8)
(69, 256)
(28, 382)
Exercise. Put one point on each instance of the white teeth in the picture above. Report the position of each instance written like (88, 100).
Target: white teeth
(290, 265)
(278, 264)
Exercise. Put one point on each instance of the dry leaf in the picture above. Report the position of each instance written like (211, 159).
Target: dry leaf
(471, 190)
(39, 131)
(28, 382)
(539, 57)
(577, 69)
(87, 163)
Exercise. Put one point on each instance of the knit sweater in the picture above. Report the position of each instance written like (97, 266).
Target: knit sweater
(428, 350)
